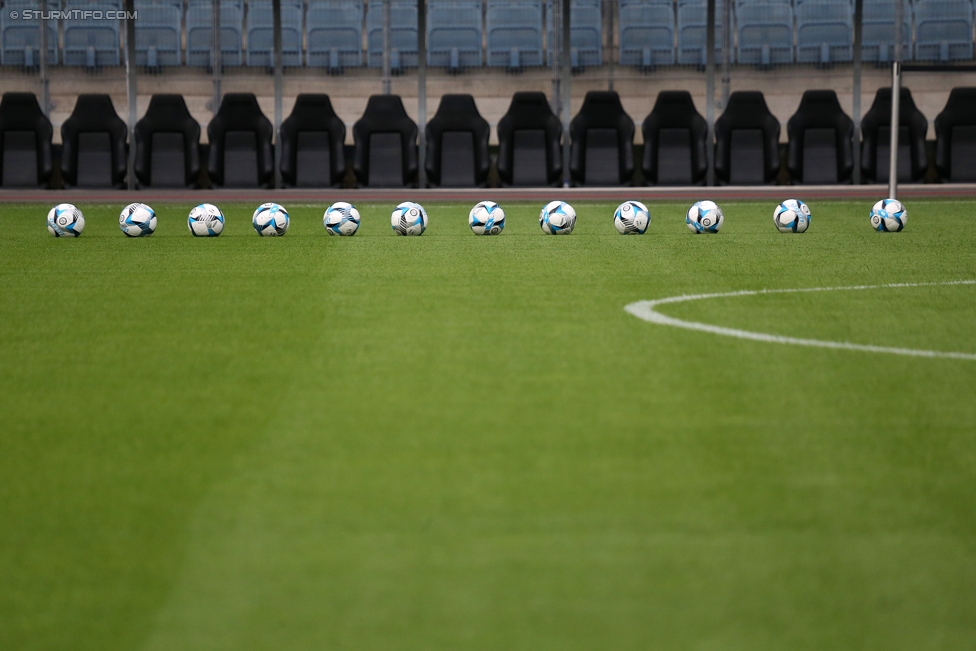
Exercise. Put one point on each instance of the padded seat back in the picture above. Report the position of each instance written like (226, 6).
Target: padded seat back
(955, 137)
(529, 135)
(312, 139)
(821, 148)
(675, 136)
(602, 134)
(167, 141)
(746, 141)
(25, 142)
(94, 144)
(876, 133)
(457, 144)
(241, 152)
(385, 153)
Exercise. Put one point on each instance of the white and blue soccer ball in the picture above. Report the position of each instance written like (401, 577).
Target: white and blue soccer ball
(341, 218)
(889, 216)
(137, 220)
(64, 220)
(792, 216)
(486, 218)
(704, 217)
(409, 218)
(631, 218)
(557, 218)
(205, 220)
(270, 220)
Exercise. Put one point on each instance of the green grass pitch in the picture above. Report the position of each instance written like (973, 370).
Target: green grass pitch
(459, 442)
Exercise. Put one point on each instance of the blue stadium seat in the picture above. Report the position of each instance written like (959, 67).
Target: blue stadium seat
(693, 34)
(824, 31)
(765, 33)
(514, 33)
(403, 34)
(158, 33)
(586, 34)
(943, 30)
(260, 33)
(89, 42)
(20, 40)
(878, 31)
(199, 32)
(454, 34)
(334, 33)
(646, 34)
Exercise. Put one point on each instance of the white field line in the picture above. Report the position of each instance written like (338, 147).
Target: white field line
(647, 311)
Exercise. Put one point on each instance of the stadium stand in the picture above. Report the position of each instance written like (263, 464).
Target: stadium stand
(403, 34)
(955, 137)
(20, 40)
(89, 42)
(514, 33)
(876, 136)
(25, 142)
(454, 34)
(943, 30)
(675, 137)
(199, 32)
(241, 154)
(167, 142)
(586, 34)
(692, 32)
(529, 135)
(94, 150)
(260, 33)
(646, 34)
(457, 144)
(385, 153)
(878, 27)
(602, 148)
(820, 149)
(311, 141)
(334, 33)
(765, 33)
(159, 33)
(824, 31)
(746, 141)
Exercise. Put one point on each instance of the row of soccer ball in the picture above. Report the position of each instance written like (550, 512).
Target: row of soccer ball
(486, 218)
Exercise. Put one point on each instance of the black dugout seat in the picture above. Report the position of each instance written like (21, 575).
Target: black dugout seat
(955, 137)
(876, 139)
(529, 152)
(167, 141)
(94, 148)
(25, 142)
(746, 141)
(241, 154)
(821, 150)
(602, 149)
(312, 139)
(675, 137)
(457, 144)
(385, 155)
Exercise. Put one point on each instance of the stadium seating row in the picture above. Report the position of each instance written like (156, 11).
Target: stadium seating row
(500, 33)
(241, 149)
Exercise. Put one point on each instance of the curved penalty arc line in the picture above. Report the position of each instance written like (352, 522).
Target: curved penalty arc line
(647, 311)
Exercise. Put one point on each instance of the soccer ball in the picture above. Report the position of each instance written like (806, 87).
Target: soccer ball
(64, 220)
(557, 218)
(631, 218)
(270, 220)
(889, 216)
(704, 217)
(341, 218)
(409, 218)
(137, 220)
(792, 216)
(487, 218)
(205, 220)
